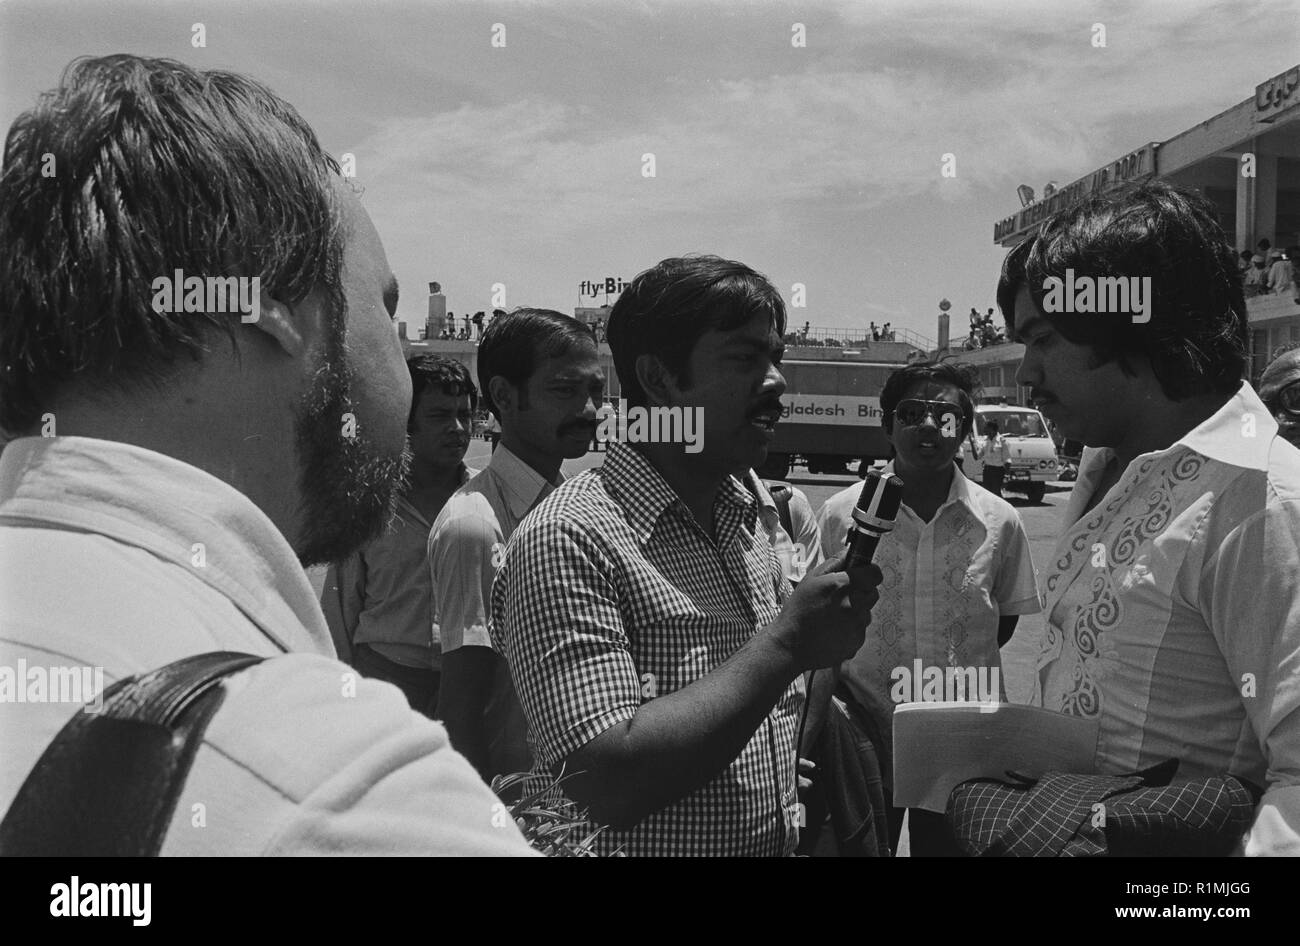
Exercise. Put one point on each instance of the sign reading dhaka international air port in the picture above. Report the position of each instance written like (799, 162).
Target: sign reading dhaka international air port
(831, 409)
(1137, 166)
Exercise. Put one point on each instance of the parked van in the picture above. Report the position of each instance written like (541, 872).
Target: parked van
(1032, 461)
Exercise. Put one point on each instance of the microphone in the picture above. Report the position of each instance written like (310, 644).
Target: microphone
(874, 516)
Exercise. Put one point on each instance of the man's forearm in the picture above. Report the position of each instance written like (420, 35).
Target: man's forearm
(462, 702)
(678, 742)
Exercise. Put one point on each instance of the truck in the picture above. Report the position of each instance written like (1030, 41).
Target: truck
(831, 417)
(1032, 461)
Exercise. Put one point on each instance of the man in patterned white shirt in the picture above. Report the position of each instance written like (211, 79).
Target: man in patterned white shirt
(652, 636)
(1173, 609)
(957, 571)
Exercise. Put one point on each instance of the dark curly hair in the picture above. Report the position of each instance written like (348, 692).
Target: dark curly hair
(667, 308)
(445, 374)
(1196, 339)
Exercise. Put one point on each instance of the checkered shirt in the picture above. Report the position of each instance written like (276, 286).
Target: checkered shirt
(611, 595)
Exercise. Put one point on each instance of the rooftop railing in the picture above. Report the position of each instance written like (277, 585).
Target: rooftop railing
(853, 337)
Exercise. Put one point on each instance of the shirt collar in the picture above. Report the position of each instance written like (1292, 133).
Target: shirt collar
(645, 495)
(1221, 437)
(1228, 437)
(167, 507)
(959, 491)
(521, 485)
(407, 509)
(758, 489)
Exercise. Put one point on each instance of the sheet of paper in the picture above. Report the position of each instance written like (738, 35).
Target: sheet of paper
(937, 746)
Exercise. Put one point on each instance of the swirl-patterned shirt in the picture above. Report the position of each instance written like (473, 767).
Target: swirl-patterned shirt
(1173, 609)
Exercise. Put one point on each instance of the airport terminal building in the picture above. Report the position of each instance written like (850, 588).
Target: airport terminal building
(1245, 160)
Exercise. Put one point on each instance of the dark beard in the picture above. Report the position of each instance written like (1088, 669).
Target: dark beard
(349, 491)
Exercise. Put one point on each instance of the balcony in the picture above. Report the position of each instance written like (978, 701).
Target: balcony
(818, 337)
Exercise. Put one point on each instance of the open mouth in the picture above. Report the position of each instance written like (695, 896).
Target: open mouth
(766, 420)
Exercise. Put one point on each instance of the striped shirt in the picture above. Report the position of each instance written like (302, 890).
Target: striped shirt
(1173, 611)
(612, 595)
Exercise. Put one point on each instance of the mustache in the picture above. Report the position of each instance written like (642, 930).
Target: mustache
(578, 425)
(765, 405)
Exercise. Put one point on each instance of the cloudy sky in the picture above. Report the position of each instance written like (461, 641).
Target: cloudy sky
(818, 164)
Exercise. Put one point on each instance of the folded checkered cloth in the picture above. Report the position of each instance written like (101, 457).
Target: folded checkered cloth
(1064, 815)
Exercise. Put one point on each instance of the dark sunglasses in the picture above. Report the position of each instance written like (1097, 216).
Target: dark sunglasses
(1286, 400)
(912, 412)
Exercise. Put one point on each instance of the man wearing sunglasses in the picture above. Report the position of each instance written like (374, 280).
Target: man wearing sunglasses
(1279, 389)
(1173, 609)
(957, 571)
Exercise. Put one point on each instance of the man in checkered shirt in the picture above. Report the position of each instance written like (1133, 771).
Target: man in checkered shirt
(654, 641)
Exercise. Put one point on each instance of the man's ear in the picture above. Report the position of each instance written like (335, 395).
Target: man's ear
(278, 320)
(655, 379)
(503, 394)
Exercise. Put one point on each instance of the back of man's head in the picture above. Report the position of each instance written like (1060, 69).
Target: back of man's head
(1195, 332)
(667, 308)
(515, 343)
(129, 170)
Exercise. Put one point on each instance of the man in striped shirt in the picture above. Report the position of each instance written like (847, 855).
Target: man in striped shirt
(653, 639)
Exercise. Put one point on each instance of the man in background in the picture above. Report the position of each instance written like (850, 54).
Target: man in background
(1279, 389)
(542, 380)
(379, 602)
(994, 454)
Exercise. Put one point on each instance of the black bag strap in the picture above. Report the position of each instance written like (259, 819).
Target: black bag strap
(108, 784)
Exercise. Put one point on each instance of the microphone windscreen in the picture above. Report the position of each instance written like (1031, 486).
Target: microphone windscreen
(878, 502)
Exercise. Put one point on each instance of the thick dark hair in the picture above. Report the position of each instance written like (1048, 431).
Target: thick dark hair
(514, 343)
(667, 308)
(962, 377)
(446, 374)
(156, 167)
(1197, 336)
